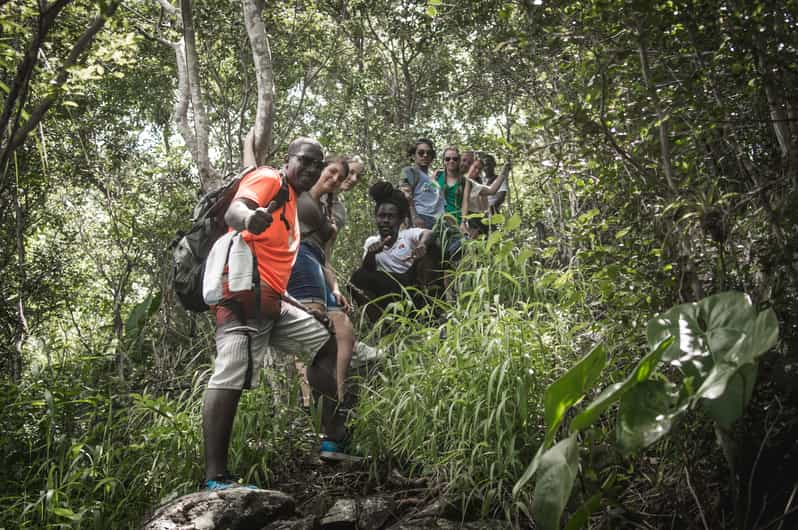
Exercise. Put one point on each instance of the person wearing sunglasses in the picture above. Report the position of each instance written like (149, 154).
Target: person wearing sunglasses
(450, 180)
(250, 321)
(422, 192)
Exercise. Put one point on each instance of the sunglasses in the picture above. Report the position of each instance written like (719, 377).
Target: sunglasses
(311, 162)
(424, 152)
(450, 158)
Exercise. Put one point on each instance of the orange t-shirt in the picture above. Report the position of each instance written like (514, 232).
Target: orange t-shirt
(276, 247)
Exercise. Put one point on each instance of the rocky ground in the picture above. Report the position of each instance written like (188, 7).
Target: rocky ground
(319, 497)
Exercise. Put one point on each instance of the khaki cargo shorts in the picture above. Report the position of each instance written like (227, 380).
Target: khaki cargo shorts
(241, 348)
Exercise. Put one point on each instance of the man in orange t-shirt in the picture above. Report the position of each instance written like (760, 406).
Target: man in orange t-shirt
(246, 326)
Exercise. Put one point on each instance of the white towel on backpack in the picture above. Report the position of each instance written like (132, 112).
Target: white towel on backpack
(233, 251)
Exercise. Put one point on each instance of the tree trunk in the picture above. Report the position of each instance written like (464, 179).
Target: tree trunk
(21, 332)
(264, 75)
(208, 176)
(12, 135)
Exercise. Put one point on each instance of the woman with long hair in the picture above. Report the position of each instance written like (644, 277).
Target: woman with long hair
(313, 281)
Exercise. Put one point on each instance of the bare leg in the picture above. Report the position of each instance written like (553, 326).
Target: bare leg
(218, 412)
(321, 374)
(304, 387)
(345, 337)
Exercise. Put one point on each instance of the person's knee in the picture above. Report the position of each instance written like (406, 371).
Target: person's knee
(343, 326)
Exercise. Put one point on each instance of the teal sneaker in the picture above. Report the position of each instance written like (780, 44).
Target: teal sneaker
(336, 452)
(226, 482)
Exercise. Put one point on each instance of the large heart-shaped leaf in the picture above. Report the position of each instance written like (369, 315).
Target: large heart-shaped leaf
(555, 479)
(726, 408)
(646, 414)
(731, 309)
(613, 393)
(762, 335)
(688, 349)
(566, 391)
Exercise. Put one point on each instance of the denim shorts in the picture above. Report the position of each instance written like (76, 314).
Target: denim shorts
(307, 283)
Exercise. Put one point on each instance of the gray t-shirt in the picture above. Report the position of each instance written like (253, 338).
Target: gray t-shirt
(427, 196)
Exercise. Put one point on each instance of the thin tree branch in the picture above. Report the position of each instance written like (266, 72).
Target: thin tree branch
(80, 46)
(664, 142)
(18, 90)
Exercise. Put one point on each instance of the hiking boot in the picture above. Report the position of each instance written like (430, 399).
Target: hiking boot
(337, 452)
(225, 482)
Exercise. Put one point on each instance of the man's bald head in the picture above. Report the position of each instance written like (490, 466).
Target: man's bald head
(296, 146)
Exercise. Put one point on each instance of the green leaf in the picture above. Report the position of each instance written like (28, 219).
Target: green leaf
(715, 384)
(570, 388)
(726, 408)
(558, 468)
(646, 414)
(497, 219)
(67, 513)
(139, 315)
(613, 393)
(432, 11)
(579, 519)
(559, 396)
(689, 349)
(763, 334)
(512, 223)
(530, 470)
(731, 309)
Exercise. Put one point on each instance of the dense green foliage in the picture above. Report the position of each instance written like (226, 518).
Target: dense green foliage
(656, 164)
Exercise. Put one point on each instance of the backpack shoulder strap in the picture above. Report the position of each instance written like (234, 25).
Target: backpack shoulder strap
(281, 197)
(283, 194)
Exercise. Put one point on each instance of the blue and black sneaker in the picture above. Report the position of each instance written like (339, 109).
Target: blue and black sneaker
(225, 482)
(337, 452)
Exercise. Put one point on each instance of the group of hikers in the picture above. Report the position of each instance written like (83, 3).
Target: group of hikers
(299, 306)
